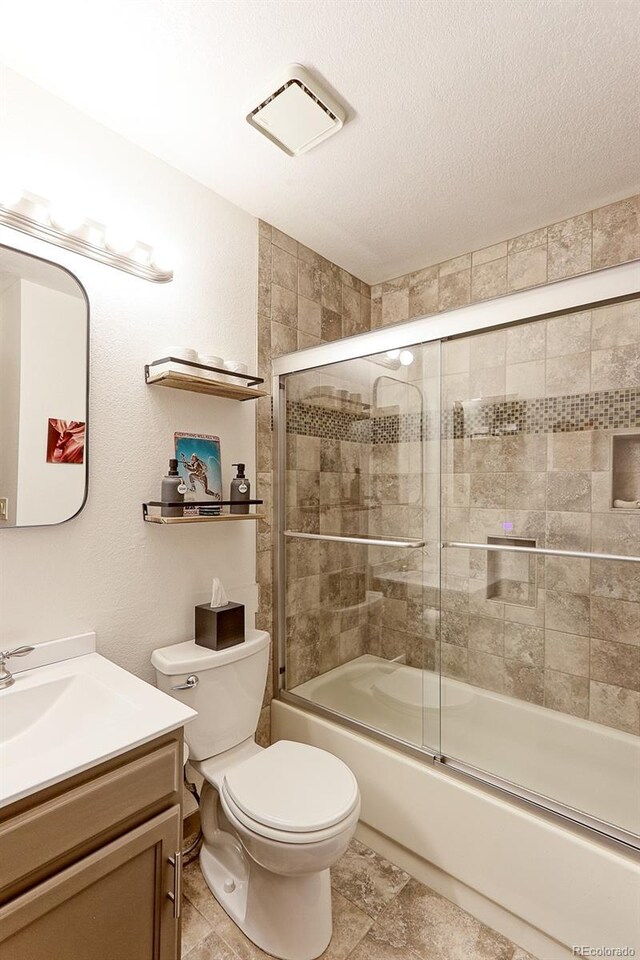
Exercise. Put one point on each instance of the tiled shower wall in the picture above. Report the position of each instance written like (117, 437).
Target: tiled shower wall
(538, 467)
(303, 299)
(590, 241)
(347, 472)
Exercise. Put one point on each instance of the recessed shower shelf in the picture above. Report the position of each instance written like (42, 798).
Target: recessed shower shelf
(152, 511)
(325, 401)
(169, 372)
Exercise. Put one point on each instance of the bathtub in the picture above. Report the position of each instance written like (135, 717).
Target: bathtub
(546, 883)
(581, 764)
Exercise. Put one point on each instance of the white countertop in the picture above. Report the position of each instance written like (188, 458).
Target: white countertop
(62, 717)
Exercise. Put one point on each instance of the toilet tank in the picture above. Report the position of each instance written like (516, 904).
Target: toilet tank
(228, 695)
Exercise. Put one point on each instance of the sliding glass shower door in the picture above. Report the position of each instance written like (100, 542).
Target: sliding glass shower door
(460, 541)
(540, 639)
(361, 500)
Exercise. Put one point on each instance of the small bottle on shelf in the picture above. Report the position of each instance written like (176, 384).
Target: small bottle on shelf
(171, 489)
(240, 491)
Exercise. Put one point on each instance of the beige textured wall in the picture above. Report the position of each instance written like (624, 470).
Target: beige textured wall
(303, 299)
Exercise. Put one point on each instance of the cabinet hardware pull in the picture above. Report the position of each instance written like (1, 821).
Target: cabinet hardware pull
(176, 895)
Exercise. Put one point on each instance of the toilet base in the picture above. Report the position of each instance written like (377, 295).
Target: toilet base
(286, 916)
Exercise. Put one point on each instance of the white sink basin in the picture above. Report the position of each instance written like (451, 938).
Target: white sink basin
(59, 719)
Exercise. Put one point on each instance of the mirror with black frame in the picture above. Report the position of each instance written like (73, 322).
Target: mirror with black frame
(44, 367)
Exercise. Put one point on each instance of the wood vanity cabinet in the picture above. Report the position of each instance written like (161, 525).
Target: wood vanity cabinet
(90, 868)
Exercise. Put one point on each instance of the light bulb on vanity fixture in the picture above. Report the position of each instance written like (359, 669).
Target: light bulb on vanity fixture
(161, 258)
(11, 192)
(31, 205)
(406, 358)
(67, 227)
(66, 219)
(142, 253)
(120, 242)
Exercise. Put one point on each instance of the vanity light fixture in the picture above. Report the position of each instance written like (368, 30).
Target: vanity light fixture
(36, 216)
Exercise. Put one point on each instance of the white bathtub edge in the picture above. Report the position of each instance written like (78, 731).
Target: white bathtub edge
(492, 914)
(546, 883)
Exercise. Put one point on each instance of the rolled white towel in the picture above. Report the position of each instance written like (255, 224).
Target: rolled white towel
(627, 504)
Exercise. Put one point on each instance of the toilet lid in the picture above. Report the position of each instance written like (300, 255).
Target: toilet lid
(294, 787)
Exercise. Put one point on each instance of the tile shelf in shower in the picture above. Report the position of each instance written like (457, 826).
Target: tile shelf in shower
(372, 599)
(189, 375)
(335, 506)
(329, 402)
(152, 512)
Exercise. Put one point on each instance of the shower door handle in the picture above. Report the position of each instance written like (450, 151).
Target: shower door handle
(541, 551)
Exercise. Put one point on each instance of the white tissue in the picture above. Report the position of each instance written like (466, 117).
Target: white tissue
(627, 504)
(218, 594)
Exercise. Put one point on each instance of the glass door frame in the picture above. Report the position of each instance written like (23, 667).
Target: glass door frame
(587, 291)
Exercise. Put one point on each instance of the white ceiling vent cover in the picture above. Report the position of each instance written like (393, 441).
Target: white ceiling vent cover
(299, 114)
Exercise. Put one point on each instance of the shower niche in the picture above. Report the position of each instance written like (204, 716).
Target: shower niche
(511, 577)
(625, 471)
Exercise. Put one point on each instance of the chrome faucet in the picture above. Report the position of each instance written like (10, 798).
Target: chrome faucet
(6, 678)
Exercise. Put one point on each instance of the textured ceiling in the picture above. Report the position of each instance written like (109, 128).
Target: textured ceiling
(469, 120)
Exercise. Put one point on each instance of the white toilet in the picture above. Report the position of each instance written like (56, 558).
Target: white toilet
(274, 820)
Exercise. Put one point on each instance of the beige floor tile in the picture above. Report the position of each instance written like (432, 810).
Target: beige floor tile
(421, 923)
(195, 927)
(413, 922)
(372, 949)
(211, 948)
(350, 925)
(367, 879)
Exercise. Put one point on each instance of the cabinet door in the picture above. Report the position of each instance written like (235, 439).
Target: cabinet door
(113, 905)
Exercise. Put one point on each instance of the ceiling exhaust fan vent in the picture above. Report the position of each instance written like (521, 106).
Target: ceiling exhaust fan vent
(299, 114)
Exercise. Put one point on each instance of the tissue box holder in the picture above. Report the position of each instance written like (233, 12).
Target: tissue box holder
(219, 627)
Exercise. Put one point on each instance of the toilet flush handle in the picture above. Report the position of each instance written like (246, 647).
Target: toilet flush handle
(190, 683)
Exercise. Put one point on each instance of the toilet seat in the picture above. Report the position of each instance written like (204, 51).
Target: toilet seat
(242, 822)
(291, 792)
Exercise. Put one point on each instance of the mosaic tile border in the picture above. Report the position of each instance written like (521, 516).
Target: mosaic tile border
(571, 413)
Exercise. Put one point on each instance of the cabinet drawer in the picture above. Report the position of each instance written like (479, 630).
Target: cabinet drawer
(68, 825)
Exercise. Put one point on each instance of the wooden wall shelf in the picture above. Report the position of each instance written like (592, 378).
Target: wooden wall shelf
(173, 372)
(151, 512)
(219, 519)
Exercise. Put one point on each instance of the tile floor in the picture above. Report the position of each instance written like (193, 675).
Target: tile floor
(379, 913)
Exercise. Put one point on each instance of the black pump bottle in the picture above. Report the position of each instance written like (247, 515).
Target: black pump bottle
(240, 491)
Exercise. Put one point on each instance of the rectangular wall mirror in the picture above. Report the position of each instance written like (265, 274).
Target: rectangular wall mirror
(44, 340)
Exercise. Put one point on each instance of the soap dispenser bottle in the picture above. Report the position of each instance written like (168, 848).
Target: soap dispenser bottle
(240, 491)
(172, 489)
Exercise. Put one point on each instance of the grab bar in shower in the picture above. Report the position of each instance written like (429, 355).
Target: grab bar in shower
(367, 541)
(541, 551)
